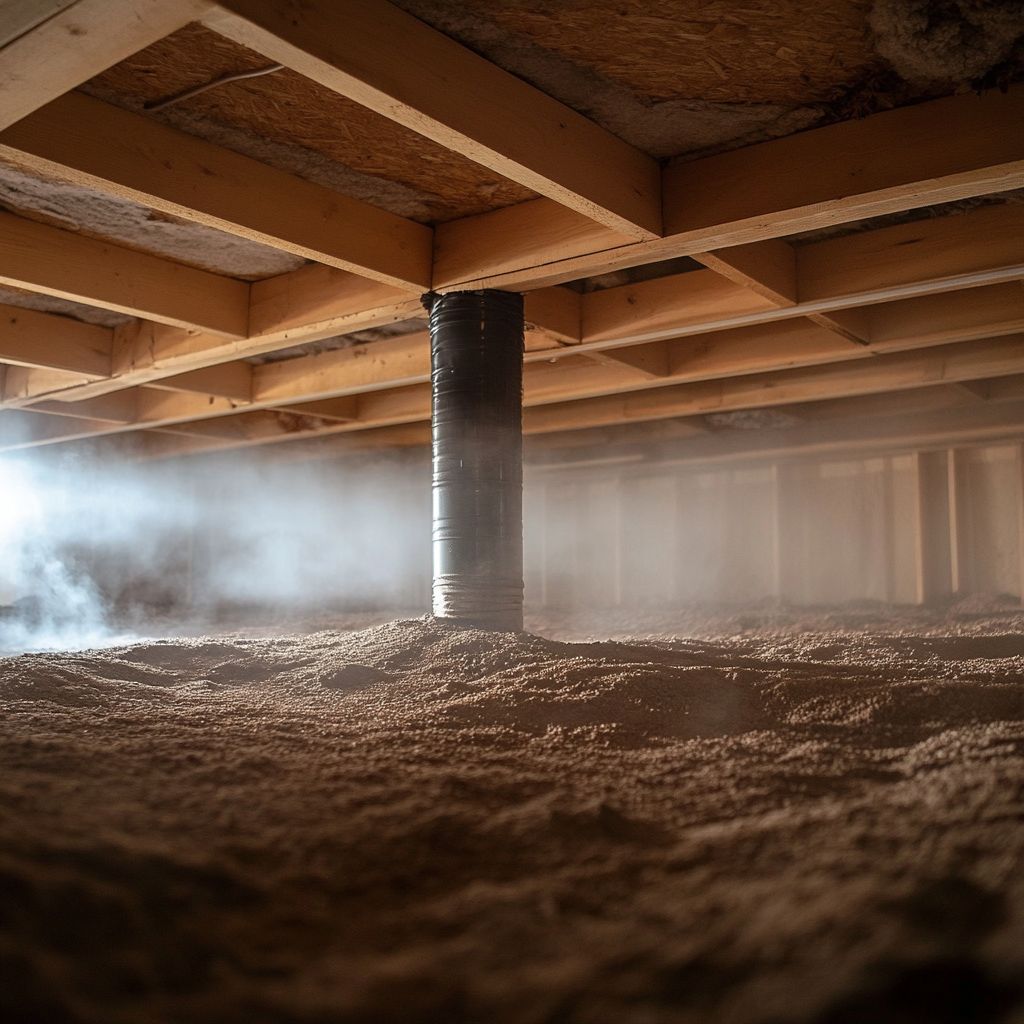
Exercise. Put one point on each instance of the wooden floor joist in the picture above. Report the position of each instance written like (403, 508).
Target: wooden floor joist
(770, 318)
(374, 53)
(32, 339)
(319, 301)
(52, 261)
(911, 323)
(858, 427)
(80, 41)
(967, 146)
(128, 155)
(849, 433)
(595, 396)
(897, 372)
(952, 316)
(939, 254)
(533, 238)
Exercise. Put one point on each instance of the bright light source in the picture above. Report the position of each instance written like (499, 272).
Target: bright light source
(20, 505)
(45, 603)
(20, 514)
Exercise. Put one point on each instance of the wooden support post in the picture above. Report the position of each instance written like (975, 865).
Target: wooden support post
(533, 541)
(673, 543)
(545, 567)
(620, 555)
(889, 529)
(777, 553)
(933, 533)
(959, 573)
(789, 544)
(1020, 519)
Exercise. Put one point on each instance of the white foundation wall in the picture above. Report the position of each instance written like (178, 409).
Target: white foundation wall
(902, 528)
(905, 528)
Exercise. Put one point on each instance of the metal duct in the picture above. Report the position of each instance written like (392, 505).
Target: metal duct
(476, 358)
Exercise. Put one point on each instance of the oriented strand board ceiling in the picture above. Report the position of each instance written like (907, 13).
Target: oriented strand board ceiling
(671, 77)
(676, 77)
(287, 121)
(755, 51)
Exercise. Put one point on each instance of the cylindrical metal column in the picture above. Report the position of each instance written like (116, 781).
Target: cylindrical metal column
(476, 359)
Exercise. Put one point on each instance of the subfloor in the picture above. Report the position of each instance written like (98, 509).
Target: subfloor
(796, 818)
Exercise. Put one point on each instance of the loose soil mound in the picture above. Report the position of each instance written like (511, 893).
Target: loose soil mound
(417, 822)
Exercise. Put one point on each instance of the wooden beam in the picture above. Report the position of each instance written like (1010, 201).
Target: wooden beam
(767, 268)
(977, 391)
(24, 429)
(929, 399)
(24, 385)
(27, 386)
(120, 408)
(33, 339)
(602, 438)
(45, 259)
(963, 251)
(405, 360)
(955, 316)
(851, 324)
(381, 364)
(164, 408)
(155, 445)
(852, 435)
(982, 246)
(1004, 389)
(552, 385)
(900, 372)
(888, 373)
(892, 161)
(79, 42)
(651, 361)
(897, 160)
(755, 349)
(388, 61)
(305, 305)
(227, 380)
(340, 410)
(666, 306)
(102, 147)
(319, 301)
(62, 423)
(20, 16)
(554, 319)
(514, 247)
(555, 312)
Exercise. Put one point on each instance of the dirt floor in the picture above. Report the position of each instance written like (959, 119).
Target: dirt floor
(793, 818)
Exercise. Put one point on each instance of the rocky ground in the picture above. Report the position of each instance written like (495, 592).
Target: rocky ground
(784, 817)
